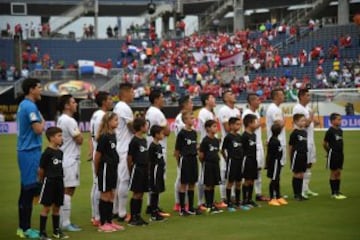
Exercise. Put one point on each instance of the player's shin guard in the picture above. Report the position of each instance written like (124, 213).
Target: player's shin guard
(222, 185)
(123, 191)
(65, 211)
(306, 180)
(258, 184)
(200, 188)
(95, 198)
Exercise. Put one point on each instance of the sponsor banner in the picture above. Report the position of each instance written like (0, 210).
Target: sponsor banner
(347, 122)
(11, 127)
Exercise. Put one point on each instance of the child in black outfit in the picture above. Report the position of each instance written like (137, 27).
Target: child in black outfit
(138, 164)
(273, 165)
(51, 175)
(298, 154)
(209, 156)
(186, 157)
(156, 172)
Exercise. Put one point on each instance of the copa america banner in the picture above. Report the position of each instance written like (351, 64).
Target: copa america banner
(347, 122)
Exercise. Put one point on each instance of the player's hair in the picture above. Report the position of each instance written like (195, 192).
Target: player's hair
(125, 86)
(251, 97)
(233, 120)
(28, 84)
(63, 100)
(302, 92)
(297, 117)
(101, 98)
(248, 119)
(276, 129)
(225, 93)
(52, 131)
(138, 124)
(154, 94)
(204, 97)
(209, 123)
(184, 100)
(275, 91)
(333, 116)
(156, 129)
(185, 115)
(104, 127)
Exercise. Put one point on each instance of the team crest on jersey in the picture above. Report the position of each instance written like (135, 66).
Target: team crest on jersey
(236, 144)
(338, 137)
(33, 117)
(280, 149)
(159, 155)
(112, 145)
(251, 142)
(301, 138)
(142, 149)
(213, 148)
(56, 161)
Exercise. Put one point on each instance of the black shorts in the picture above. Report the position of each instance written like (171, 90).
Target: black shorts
(274, 169)
(157, 183)
(52, 192)
(299, 162)
(139, 179)
(233, 170)
(188, 170)
(211, 174)
(107, 177)
(249, 168)
(335, 160)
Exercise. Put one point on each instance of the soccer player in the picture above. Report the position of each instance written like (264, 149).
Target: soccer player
(186, 157)
(124, 134)
(298, 154)
(249, 167)
(106, 162)
(186, 104)
(209, 156)
(225, 113)
(273, 165)
(72, 140)
(52, 191)
(138, 166)
(334, 146)
(233, 154)
(274, 114)
(30, 125)
(154, 116)
(303, 107)
(105, 103)
(156, 172)
(206, 113)
(253, 106)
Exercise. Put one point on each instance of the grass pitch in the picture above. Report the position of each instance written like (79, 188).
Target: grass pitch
(318, 218)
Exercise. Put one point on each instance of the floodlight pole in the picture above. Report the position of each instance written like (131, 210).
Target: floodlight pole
(239, 18)
(96, 17)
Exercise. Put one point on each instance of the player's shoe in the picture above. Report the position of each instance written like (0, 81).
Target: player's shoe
(202, 207)
(221, 204)
(32, 234)
(194, 211)
(184, 213)
(304, 195)
(300, 198)
(71, 228)
(282, 201)
(43, 236)
(95, 223)
(274, 202)
(59, 235)
(142, 221)
(148, 210)
(20, 233)
(231, 208)
(262, 198)
(177, 207)
(156, 217)
(215, 210)
(338, 196)
(253, 204)
(106, 228)
(135, 222)
(116, 226)
(125, 218)
(163, 213)
(311, 193)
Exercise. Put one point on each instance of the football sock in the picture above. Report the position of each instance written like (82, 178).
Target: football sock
(207, 198)
(182, 200)
(65, 211)
(43, 220)
(277, 188)
(245, 193)
(250, 190)
(154, 202)
(337, 184)
(272, 189)
(333, 186)
(211, 195)
(257, 184)
(25, 204)
(56, 223)
(228, 195)
(102, 211)
(237, 195)
(190, 194)
(109, 207)
(200, 188)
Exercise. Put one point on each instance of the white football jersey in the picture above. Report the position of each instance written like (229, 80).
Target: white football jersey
(298, 108)
(69, 147)
(179, 124)
(123, 134)
(154, 116)
(95, 122)
(275, 113)
(224, 114)
(204, 115)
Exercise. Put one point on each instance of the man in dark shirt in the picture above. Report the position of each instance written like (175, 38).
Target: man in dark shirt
(333, 145)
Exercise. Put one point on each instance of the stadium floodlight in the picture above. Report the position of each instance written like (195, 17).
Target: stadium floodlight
(151, 7)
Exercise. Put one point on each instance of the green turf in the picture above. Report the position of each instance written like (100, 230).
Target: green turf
(318, 218)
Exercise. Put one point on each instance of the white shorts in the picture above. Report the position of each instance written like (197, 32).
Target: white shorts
(311, 153)
(222, 164)
(260, 157)
(72, 175)
(123, 170)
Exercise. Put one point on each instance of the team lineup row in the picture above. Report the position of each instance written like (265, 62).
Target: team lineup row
(124, 159)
